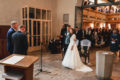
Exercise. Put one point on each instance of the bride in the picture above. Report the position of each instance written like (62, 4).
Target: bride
(72, 59)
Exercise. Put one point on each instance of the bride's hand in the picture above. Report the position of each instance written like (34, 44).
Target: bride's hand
(75, 39)
(72, 47)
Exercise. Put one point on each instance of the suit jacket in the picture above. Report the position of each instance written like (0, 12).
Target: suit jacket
(9, 40)
(82, 34)
(67, 38)
(20, 43)
(78, 35)
(63, 31)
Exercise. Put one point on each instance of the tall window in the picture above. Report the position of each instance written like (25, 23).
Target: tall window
(38, 24)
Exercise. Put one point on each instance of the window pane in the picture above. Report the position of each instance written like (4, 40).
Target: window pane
(43, 14)
(34, 39)
(46, 28)
(23, 22)
(29, 27)
(102, 1)
(38, 40)
(31, 12)
(38, 14)
(43, 31)
(25, 12)
(43, 26)
(49, 15)
(50, 29)
(26, 24)
(38, 24)
(34, 28)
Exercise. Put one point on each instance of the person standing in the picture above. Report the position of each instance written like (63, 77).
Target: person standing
(114, 42)
(62, 35)
(77, 33)
(67, 38)
(72, 59)
(13, 29)
(19, 39)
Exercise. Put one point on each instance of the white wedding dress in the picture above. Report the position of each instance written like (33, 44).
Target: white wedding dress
(72, 59)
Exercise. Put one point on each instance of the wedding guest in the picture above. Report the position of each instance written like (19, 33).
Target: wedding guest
(13, 29)
(83, 34)
(77, 33)
(67, 38)
(19, 40)
(114, 42)
(62, 35)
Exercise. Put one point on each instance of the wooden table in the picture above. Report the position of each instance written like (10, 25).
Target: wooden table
(25, 65)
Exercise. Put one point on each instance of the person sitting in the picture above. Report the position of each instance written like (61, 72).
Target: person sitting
(100, 42)
(85, 46)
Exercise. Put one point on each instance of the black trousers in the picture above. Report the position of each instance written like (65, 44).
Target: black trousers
(65, 48)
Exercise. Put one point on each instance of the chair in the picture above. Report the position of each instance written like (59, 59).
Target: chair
(84, 52)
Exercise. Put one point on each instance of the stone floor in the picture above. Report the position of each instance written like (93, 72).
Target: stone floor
(53, 70)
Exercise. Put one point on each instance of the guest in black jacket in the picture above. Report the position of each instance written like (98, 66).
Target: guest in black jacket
(19, 40)
(78, 35)
(13, 29)
(62, 35)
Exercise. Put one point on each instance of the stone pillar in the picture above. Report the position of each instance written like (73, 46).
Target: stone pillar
(104, 64)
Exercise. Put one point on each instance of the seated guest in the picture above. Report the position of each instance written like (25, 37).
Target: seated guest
(85, 43)
(85, 46)
(100, 42)
(19, 40)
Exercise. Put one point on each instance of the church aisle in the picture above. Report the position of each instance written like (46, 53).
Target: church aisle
(53, 70)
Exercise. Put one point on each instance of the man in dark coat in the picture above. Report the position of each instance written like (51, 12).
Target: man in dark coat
(13, 29)
(78, 34)
(19, 39)
(62, 35)
(67, 38)
(82, 34)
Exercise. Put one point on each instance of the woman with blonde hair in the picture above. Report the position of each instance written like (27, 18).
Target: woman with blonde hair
(114, 42)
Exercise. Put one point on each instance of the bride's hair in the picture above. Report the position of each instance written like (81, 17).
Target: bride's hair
(73, 31)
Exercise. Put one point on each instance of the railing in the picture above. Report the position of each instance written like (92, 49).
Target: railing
(93, 15)
(113, 17)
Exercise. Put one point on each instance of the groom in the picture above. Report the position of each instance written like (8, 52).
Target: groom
(67, 38)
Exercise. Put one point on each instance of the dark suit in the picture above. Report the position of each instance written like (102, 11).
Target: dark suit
(67, 41)
(78, 34)
(63, 31)
(78, 37)
(9, 40)
(82, 34)
(20, 43)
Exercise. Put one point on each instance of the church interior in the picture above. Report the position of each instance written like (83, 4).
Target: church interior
(44, 20)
